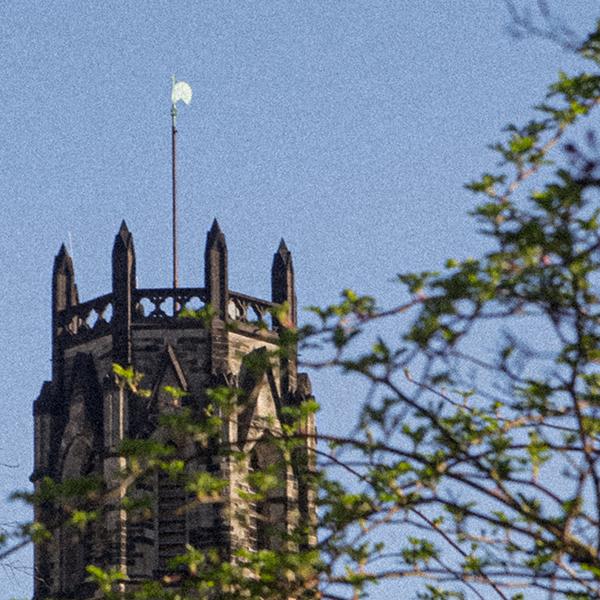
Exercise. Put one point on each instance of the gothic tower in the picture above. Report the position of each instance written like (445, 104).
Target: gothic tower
(83, 414)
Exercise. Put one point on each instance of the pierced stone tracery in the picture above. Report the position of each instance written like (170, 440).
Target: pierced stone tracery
(80, 425)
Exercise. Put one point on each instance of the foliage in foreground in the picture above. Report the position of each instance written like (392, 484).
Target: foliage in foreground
(474, 463)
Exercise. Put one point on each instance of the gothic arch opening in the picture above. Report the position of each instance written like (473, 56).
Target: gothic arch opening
(76, 545)
(171, 516)
(268, 481)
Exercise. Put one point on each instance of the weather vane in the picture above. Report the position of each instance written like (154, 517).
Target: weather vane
(180, 91)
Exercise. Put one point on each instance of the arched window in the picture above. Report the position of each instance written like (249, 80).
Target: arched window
(170, 517)
(75, 545)
(268, 481)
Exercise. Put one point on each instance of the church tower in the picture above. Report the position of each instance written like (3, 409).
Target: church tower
(83, 415)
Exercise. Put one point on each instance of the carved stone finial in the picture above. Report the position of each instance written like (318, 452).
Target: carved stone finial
(63, 261)
(124, 236)
(282, 279)
(215, 270)
(64, 289)
(124, 255)
(64, 296)
(283, 249)
(123, 276)
(215, 230)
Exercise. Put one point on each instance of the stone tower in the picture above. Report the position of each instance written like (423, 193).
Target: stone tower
(82, 415)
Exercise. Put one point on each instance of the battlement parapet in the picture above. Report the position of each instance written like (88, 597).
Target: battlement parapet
(163, 307)
(128, 307)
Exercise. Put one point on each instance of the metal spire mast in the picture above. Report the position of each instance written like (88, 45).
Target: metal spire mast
(180, 90)
(174, 182)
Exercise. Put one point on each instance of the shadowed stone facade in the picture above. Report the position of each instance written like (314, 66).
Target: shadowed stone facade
(83, 415)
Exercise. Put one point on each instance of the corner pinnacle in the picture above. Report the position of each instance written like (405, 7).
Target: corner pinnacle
(282, 249)
(124, 235)
(215, 234)
(62, 252)
(123, 229)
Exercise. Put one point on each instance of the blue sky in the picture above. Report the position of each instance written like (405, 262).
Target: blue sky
(348, 128)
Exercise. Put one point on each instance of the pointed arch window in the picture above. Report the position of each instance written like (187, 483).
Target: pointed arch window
(76, 546)
(171, 517)
(268, 481)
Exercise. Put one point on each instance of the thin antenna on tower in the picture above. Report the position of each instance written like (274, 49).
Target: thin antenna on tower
(71, 246)
(180, 90)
